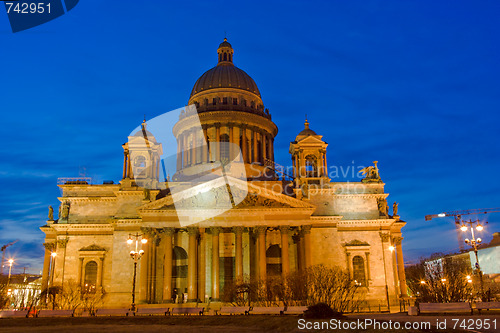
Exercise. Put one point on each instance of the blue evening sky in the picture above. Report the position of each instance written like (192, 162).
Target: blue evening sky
(412, 84)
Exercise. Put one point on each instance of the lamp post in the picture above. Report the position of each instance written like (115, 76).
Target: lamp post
(135, 254)
(474, 242)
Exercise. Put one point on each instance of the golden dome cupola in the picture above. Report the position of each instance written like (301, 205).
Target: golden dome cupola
(230, 109)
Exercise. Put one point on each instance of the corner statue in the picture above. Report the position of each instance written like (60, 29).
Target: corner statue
(51, 213)
(371, 174)
(395, 209)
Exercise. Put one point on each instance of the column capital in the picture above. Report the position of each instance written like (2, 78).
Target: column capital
(215, 230)
(192, 231)
(217, 125)
(62, 242)
(168, 231)
(50, 246)
(238, 229)
(147, 231)
(260, 229)
(306, 229)
(284, 229)
(397, 240)
(384, 236)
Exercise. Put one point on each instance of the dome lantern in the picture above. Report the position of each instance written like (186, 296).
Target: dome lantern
(225, 53)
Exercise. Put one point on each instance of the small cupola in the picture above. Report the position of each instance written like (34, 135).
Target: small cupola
(225, 53)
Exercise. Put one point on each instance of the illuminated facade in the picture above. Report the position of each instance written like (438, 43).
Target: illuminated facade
(280, 226)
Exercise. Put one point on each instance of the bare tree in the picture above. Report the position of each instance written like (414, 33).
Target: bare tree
(440, 280)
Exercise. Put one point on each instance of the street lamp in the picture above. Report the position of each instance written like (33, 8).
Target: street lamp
(474, 242)
(11, 261)
(135, 255)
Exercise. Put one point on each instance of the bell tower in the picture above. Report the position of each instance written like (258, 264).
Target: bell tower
(309, 159)
(141, 162)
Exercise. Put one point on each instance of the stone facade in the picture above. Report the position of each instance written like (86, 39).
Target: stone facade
(280, 225)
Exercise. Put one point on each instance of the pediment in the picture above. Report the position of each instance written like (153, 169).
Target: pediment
(312, 139)
(214, 194)
(92, 247)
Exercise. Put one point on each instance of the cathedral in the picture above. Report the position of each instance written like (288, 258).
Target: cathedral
(228, 212)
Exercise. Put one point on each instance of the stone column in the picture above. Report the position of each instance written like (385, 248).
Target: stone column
(46, 264)
(184, 150)
(271, 153)
(151, 245)
(264, 147)
(349, 264)
(201, 265)
(285, 256)
(100, 268)
(384, 237)
(217, 142)
(130, 174)
(144, 265)
(368, 278)
(243, 132)
(261, 234)
(80, 271)
(255, 153)
(179, 153)
(192, 266)
(395, 270)
(321, 171)
(401, 267)
(167, 265)
(204, 152)
(300, 260)
(215, 263)
(238, 260)
(306, 229)
(125, 164)
(231, 141)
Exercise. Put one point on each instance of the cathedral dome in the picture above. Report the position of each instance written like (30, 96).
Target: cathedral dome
(225, 74)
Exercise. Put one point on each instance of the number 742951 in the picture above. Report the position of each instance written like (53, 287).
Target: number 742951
(28, 8)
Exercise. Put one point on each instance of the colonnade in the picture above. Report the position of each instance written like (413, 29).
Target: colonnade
(197, 254)
(256, 145)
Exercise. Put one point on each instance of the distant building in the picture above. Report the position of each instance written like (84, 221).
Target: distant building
(280, 225)
(23, 289)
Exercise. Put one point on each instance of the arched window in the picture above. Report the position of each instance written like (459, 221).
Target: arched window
(311, 166)
(90, 280)
(273, 259)
(140, 162)
(224, 148)
(358, 270)
(225, 56)
(179, 267)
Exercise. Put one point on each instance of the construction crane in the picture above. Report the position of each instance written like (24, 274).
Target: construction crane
(457, 214)
(3, 253)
